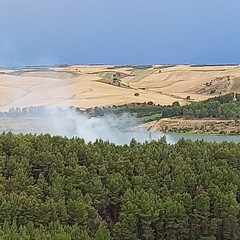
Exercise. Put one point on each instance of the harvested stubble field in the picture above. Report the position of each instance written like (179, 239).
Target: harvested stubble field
(91, 85)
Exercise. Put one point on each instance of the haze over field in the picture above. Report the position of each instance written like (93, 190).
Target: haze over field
(90, 86)
(116, 32)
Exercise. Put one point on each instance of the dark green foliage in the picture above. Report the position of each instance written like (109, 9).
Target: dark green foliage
(218, 107)
(59, 188)
(222, 107)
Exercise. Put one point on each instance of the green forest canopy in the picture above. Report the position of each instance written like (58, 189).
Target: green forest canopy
(57, 188)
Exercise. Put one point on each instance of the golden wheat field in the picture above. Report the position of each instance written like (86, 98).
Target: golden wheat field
(104, 85)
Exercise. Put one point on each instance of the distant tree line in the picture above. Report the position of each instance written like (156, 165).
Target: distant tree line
(38, 111)
(224, 107)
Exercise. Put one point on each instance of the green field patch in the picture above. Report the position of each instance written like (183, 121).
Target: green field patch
(150, 118)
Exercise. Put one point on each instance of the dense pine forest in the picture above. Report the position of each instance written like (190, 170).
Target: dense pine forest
(58, 188)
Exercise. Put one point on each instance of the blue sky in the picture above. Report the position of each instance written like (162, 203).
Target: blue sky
(38, 32)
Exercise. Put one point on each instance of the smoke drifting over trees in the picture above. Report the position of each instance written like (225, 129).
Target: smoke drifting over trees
(72, 122)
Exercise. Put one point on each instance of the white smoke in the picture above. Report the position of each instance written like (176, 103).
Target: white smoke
(68, 122)
(113, 128)
(109, 128)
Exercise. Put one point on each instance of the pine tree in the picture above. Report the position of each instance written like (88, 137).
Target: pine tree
(102, 233)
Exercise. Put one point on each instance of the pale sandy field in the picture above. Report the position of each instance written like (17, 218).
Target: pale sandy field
(91, 85)
(212, 126)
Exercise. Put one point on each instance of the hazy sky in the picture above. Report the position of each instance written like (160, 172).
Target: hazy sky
(119, 31)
